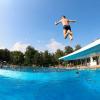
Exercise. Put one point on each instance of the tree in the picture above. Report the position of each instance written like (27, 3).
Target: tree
(77, 47)
(59, 53)
(4, 55)
(29, 55)
(46, 58)
(68, 50)
(1, 54)
(53, 60)
(38, 59)
(17, 57)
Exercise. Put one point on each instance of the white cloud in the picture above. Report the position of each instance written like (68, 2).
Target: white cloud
(40, 49)
(2, 47)
(54, 45)
(19, 46)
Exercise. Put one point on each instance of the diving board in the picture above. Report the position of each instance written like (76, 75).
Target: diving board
(87, 51)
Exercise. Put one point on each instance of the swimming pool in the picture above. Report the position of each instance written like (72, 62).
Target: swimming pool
(50, 85)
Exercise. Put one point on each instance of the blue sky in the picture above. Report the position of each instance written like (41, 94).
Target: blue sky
(24, 22)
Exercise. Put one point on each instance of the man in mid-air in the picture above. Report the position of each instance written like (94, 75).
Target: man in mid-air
(66, 27)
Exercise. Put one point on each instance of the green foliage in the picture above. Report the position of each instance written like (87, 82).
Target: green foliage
(38, 59)
(68, 50)
(17, 57)
(34, 57)
(4, 55)
(29, 55)
(46, 58)
(58, 54)
(77, 47)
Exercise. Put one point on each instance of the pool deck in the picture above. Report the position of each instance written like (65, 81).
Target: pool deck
(89, 67)
(80, 67)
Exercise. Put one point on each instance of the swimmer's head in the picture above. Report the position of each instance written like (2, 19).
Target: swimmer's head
(63, 16)
(77, 72)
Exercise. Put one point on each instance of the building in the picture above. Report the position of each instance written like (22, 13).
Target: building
(91, 51)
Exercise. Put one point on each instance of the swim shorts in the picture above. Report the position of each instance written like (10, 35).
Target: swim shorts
(67, 27)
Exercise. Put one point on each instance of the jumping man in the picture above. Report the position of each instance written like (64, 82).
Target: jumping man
(66, 27)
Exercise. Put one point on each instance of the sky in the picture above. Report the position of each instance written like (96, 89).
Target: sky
(31, 22)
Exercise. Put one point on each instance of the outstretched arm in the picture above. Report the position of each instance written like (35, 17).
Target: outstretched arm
(72, 20)
(56, 23)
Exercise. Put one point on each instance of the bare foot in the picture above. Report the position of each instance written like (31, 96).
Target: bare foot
(65, 36)
(71, 38)
(70, 35)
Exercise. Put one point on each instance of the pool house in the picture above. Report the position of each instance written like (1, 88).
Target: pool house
(90, 52)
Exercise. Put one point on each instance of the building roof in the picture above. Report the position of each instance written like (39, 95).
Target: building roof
(87, 51)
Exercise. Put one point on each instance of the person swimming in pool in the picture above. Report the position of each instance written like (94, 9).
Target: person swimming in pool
(77, 72)
(66, 27)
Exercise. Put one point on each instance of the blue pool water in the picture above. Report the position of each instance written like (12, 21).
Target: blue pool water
(50, 85)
